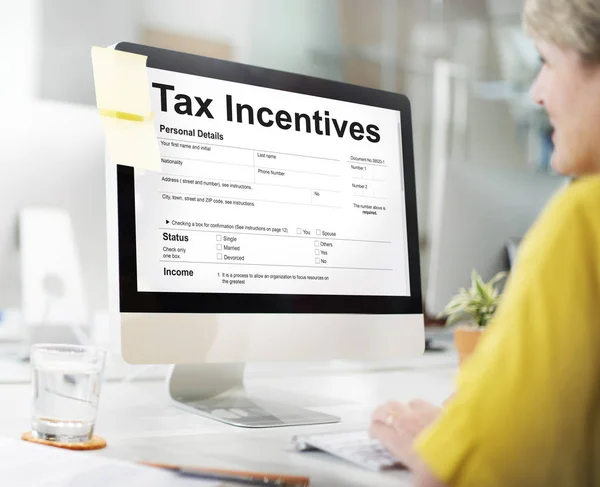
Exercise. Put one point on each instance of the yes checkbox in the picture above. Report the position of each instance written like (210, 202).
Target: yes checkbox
(218, 238)
(219, 256)
(317, 260)
(316, 243)
(318, 232)
(219, 246)
(317, 252)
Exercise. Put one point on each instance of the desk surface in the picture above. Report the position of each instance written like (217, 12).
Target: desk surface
(140, 424)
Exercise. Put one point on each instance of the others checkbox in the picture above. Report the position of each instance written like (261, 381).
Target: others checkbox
(317, 252)
(219, 247)
(219, 256)
(317, 260)
(318, 232)
(218, 238)
(316, 243)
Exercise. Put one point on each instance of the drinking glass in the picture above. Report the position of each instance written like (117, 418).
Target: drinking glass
(66, 391)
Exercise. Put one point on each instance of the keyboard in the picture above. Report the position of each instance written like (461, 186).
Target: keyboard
(354, 446)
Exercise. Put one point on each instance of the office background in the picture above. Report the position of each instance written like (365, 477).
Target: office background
(465, 65)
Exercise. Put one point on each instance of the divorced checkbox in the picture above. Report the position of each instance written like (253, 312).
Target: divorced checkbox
(219, 256)
(317, 252)
(299, 231)
(318, 232)
(219, 247)
(317, 261)
(218, 238)
(316, 243)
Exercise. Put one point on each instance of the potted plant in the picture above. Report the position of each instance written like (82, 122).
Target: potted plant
(473, 308)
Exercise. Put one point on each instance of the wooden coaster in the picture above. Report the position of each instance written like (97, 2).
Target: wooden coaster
(96, 443)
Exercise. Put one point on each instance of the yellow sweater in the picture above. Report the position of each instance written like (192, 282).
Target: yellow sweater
(526, 412)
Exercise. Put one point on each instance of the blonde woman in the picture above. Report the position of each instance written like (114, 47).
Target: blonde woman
(526, 411)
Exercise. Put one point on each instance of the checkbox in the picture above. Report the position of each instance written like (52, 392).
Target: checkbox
(299, 231)
(316, 243)
(218, 238)
(317, 252)
(318, 232)
(219, 256)
(219, 247)
(317, 260)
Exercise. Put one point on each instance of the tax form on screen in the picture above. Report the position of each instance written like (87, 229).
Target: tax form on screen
(270, 192)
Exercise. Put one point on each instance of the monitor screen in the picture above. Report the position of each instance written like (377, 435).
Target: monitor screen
(264, 191)
(269, 188)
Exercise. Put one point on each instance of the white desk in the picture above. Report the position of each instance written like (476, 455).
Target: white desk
(140, 424)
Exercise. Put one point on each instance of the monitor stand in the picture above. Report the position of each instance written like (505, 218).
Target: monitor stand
(217, 391)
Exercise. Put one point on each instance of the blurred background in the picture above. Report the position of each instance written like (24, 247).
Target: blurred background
(465, 65)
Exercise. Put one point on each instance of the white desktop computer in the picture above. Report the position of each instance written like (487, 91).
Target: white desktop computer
(282, 227)
(52, 220)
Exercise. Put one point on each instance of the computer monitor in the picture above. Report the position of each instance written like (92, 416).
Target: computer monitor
(53, 157)
(478, 214)
(283, 226)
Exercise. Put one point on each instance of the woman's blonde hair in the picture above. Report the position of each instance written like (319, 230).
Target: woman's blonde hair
(572, 24)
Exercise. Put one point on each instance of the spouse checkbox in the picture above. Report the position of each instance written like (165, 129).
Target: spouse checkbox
(318, 232)
(317, 260)
(299, 231)
(218, 238)
(219, 256)
(316, 243)
(317, 252)
(219, 247)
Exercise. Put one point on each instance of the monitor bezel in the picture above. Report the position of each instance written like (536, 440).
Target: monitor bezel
(133, 301)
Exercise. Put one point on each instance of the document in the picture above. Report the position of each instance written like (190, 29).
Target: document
(25, 464)
(269, 191)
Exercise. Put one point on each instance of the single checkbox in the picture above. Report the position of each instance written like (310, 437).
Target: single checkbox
(318, 232)
(219, 256)
(316, 243)
(317, 261)
(219, 247)
(299, 231)
(218, 238)
(317, 252)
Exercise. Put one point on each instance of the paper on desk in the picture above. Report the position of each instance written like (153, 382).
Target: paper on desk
(123, 98)
(24, 464)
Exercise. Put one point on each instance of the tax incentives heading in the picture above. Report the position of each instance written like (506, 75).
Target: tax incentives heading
(183, 104)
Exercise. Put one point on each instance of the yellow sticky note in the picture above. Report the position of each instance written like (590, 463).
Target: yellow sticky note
(132, 143)
(123, 97)
(121, 81)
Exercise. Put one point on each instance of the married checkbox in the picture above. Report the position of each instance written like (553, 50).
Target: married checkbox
(219, 247)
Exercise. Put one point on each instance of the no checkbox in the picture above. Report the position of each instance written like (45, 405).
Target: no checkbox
(317, 260)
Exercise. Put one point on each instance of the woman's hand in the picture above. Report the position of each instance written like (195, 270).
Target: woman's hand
(396, 425)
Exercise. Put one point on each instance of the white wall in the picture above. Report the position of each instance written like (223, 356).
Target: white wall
(68, 30)
(20, 22)
(270, 33)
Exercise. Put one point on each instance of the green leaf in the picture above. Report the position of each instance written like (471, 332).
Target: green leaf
(477, 303)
